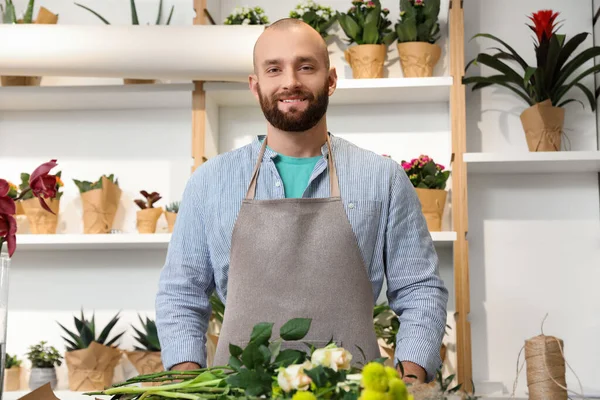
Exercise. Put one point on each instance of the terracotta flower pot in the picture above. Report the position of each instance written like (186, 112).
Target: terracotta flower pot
(432, 204)
(366, 60)
(21, 80)
(40, 220)
(12, 379)
(171, 218)
(131, 81)
(543, 126)
(418, 58)
(147, 219)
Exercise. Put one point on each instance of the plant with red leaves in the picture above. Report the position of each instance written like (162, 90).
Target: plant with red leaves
(41, 184)
(151, 198)
(551, 78)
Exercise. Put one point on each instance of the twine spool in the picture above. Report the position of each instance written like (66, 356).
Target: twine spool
(545, 368)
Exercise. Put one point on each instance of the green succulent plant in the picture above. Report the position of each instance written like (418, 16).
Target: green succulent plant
(85, 333)
(366, 23)
(173, 207)
(148, 336)
(134, 15)
(11, 361)
(418, 21)
(42, 356)
(9, 15)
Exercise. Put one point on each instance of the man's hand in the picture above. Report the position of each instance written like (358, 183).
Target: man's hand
(411, 368)
(186, 366)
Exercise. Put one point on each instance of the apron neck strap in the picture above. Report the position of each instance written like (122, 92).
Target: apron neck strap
(334, 186)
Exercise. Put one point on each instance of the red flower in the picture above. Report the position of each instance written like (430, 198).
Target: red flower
(544, 21)
(8, 229)
(7, 205)
(42, 184)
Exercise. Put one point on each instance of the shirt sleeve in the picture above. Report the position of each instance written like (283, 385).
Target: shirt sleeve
(415, 291)
(186, 282)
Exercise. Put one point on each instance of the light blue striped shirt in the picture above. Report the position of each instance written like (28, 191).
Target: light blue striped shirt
(384, 213)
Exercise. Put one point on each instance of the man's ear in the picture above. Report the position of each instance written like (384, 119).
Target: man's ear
(253, 83)
(332, 80)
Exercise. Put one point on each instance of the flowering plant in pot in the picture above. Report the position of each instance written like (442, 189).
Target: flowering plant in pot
(544, 86)
(40, 220)
(321, 18)
(91, 358)
(147, 356)
(247, 16)
(171, 211)
(43, 360)
(148, 215)
(9, 16)
(429, 180)
(367, 25)
(417, 31)
(12, 373)
(100, 202)
(135, 21)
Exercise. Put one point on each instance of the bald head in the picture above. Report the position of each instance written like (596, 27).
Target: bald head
(290, 30)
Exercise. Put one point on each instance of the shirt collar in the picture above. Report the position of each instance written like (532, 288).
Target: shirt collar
(270, 154)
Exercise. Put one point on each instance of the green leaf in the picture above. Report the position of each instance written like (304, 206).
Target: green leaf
(562, 104)
(95, 13)
(406, 30)
(317, 375)
(551, 62)
(134, 16)
(371, 31)
(568, 49)
(106, 331)
(289, 357)
(252, 356)
(275, 348)
(170, 15)
(564, 89)
(309, 17)
(431, 9)
(160, 4)
(349, 26)
(575, 63)
(516, 55)
(295, 329)
(261, 333)
(235, 363)
(234, 350)
(498, 65)
(496, 80)
(588, 93)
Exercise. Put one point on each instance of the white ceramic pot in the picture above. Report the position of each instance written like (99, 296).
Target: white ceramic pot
(40, 376)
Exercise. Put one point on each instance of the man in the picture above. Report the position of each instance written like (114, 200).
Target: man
(300, 223)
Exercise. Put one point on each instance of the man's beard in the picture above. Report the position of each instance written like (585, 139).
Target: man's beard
(294, 120)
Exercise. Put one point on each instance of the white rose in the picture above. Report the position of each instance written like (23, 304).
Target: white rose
(332, 357)
(293, 377)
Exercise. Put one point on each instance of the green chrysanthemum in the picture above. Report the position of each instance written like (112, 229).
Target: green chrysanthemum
(304, 396)
(374, 377)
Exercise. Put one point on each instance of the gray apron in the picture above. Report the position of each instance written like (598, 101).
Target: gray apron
(298, 258)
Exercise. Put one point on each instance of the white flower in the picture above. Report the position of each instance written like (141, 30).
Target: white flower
(320, 13)
(293, 377)
(246, 21)
(332, 357)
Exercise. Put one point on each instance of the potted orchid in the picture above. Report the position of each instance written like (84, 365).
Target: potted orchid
(429, 180)
(545, 85)
(417, 31)
(366, 24)
(40, 220)
(321, 18)
(247, 16)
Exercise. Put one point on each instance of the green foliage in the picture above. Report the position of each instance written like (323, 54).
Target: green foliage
(148, 339)
(86, 186)
(367, 23)
(218, 308)
(247, 16)
(424, 173)
(552, 78)
(85, 333)
(11, 361)
(9, 15)
(386, 324)
(42, 356)
(321, 18)
(134, 15)
(151, 198)
(173, 207)
(418, 21)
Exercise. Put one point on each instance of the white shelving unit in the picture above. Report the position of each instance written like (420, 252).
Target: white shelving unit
(533, 162)
(129, 241)
(350, 91)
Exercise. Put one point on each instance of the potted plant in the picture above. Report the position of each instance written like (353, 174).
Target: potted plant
(247, 16)
(146, 357)
(41, 221)
(417, 31)
(148, 215)
(91, 359)
(135, 21)
(100, 202)
(9, 16)
(43, 360)
(321, 18)
(544, 86)
(171, 211)
(12, 373)
(367, 25)
(429, 180)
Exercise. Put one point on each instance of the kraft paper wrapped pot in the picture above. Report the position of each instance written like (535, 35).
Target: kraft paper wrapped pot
(147, 219)
(146, 362)
(12, 379)
(100, 207)
(418, 58)
(432, 204)
(366, 60)
(92, 368)
(171, 218)
(40, 220)
(543, 126)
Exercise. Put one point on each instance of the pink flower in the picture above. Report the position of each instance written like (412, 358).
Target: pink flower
(440, 167)
(419, 2)
(406, 165)
(370, 4)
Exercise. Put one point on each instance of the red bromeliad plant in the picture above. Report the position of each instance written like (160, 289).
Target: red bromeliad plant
(41, 185)
(551, 78)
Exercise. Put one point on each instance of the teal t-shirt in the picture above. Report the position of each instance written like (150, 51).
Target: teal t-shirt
(295, 173)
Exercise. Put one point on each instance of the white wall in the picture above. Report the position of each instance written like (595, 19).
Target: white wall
(533, 238)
